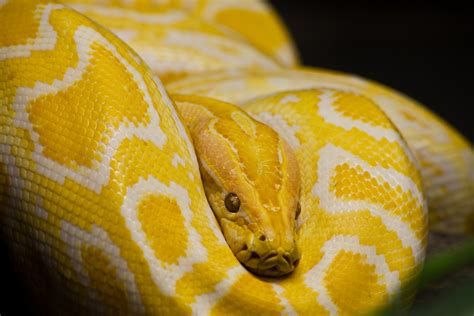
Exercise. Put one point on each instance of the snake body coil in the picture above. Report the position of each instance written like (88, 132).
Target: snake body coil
(103, 206)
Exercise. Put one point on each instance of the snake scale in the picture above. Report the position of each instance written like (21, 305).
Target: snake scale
(169, 157)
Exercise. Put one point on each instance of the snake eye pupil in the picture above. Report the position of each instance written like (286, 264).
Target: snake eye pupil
(232, 202)
(298, 210)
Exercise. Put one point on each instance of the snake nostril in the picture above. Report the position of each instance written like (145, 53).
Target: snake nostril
(262, 237)
(254, 255)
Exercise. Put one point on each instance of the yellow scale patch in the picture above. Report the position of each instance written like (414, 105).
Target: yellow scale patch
(163, 224)
(360, 108)
(19, 27)
(353, 284)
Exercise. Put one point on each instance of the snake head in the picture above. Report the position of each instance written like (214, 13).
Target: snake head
(251, 179)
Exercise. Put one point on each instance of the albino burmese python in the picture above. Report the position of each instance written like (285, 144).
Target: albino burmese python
(103, 206)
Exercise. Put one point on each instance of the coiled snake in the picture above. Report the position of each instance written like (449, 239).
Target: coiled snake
(317, 177)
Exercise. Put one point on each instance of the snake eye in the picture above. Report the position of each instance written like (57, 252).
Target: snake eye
(232, 202)
(298, 210)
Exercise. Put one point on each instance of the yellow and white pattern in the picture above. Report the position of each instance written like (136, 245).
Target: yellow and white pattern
(445, 158)
(176, 39)
(102, 202)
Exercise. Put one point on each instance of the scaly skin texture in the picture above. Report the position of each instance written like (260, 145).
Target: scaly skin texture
(104, 209)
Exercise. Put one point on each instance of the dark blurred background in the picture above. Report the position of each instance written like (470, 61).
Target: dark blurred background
(421, 48)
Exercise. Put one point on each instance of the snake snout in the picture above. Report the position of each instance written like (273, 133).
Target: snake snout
(276, 262)
(279, 262)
